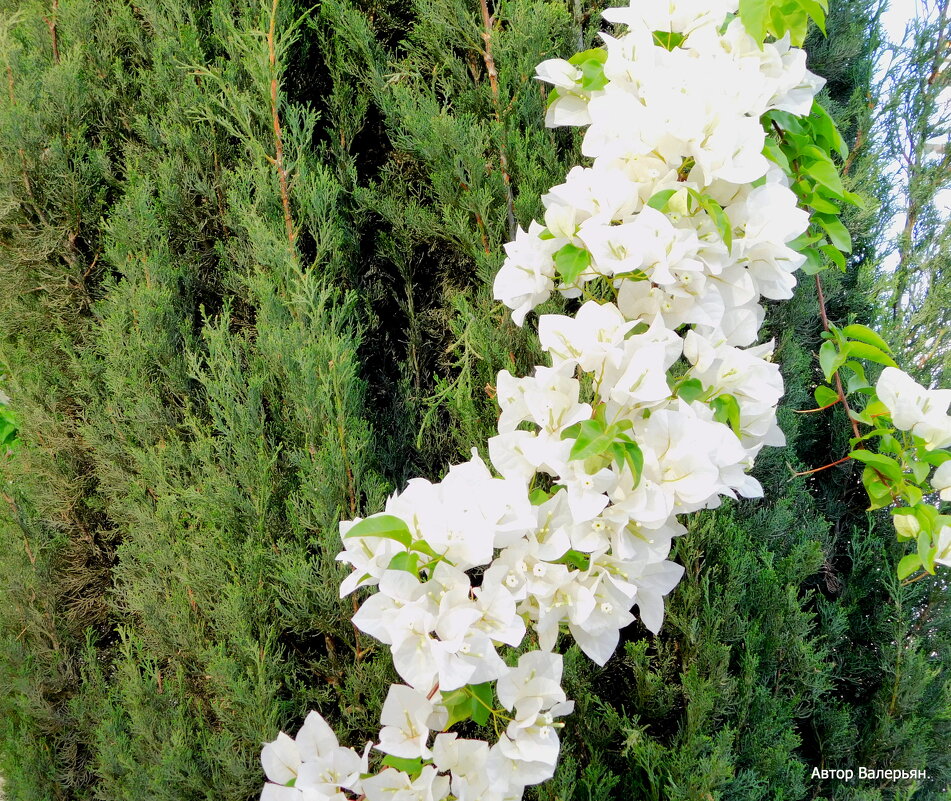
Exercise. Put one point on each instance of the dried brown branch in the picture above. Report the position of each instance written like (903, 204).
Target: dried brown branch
(278, 159)
(493, 74)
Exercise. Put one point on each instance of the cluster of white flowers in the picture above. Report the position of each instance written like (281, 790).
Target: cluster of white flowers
(924, 413)
(655, 405)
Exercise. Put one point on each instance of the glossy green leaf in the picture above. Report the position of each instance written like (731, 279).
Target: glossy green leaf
(538, 496)
(865, 334)
(920, 470)
(825, 127)
(481, 702)
(862, 350)
(878, 492)
(459, 704)
(826, 396)
(908, 565)
(575, 559)
(386, 526)
(592, 76)
(830, 359)
(668, 40)
(727, 410)
(597, 54)
(571, 261)
(405, 560)
(834, 255)
(690, 390)
(825, 173)
(885, 465)
(837, 232)
(627, 451)
(660, 199)
(755, 16)
(926, 551)
(413, 767)
(814, 263)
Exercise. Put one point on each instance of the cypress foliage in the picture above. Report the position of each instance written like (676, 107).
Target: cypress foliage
(250, 247)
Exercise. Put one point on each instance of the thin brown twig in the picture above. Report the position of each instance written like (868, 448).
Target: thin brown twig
(278, 159)
(906, 582)
(51, 24)
(838, 379)
(817, 409)
(824, 467)
(494, 86)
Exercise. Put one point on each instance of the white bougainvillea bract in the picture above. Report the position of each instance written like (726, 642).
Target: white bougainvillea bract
(655, 404)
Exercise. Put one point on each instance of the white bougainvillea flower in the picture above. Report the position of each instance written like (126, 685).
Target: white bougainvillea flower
(943, 544)
(941, 480)
(916, 409)
(313, 763)
(394, 785)
(406, 716)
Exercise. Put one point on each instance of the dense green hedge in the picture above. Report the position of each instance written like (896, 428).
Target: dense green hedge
(246, 252)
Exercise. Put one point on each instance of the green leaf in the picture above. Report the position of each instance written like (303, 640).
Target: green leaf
(878, 492)
(885, 465)
(858, 379)
(690, 390)
(598, 54)
(796, 24)
(660, 199)
(755, 14)
(786, 120)
(575, 559)
(866, 334)
(593, 439)
(459, 705)
(825, 173)
(726, 410)
(424, 548)
(592, 76)
(571, 261)
(825, 127)
(863, 350)
(926, 551)
(668, 40)
(538, 496)
(411, 766)
(920, 470)
(814, 263)
(837, 232)
(627, 451)
(405, 560)
(386, 526)
(912, 493)
(482, 702)
(934, 458)
(908, 565)
(819, 203)
(816, 12)
(825, 396)
(834, 255)
(720, 219)
(830, 359)
(774, 152)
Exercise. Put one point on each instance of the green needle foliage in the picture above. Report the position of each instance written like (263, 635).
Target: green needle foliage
(248, 249)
